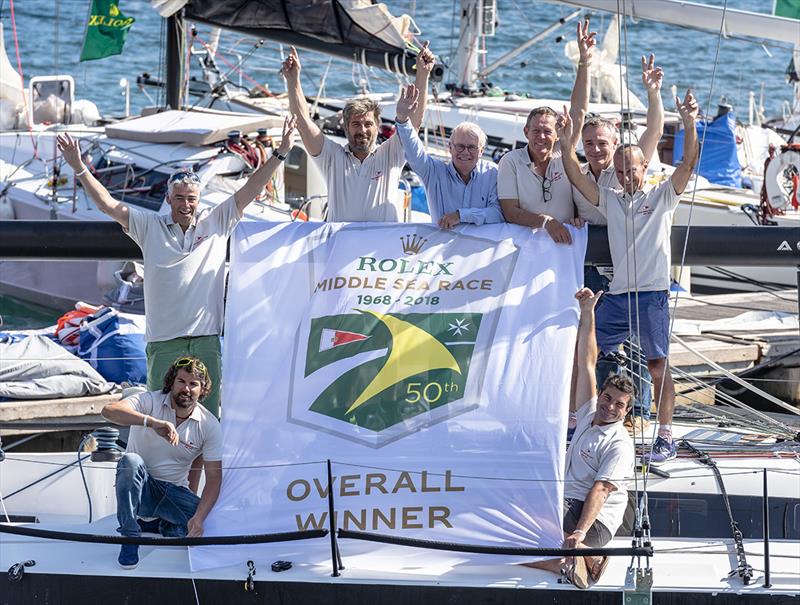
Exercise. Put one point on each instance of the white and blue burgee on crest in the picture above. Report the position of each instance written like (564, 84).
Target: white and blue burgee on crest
(432, 367)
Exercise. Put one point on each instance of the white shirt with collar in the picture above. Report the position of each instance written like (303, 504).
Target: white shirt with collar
(639, 229)
(201, 433)
(184, 273)
(363, 191)
(516, 179)
(586, 210)
(601, 452)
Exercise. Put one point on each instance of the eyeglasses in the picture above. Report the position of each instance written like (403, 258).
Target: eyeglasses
(546, 195)
(473, 149)
(182, 175)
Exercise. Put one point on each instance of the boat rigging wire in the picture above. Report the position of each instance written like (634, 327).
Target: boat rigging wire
(701, 146)
(743, 569)
(26, 109)
(737, 379)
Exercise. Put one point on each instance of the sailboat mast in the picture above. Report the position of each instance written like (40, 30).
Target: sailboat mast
(477, 19)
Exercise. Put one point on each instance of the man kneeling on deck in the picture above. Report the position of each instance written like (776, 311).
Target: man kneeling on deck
(599, 459)
(169, 430)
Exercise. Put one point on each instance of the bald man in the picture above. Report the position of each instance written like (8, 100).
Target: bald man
(640, 253)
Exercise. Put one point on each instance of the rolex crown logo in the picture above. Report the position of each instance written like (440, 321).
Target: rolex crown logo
(113, 10)
(412, 244)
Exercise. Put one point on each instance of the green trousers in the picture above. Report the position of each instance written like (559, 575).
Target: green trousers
(162, 354)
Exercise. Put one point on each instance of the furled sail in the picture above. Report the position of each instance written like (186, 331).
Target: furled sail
(701, 16)
(356, 30)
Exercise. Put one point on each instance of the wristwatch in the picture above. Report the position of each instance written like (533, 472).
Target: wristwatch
(278, 155)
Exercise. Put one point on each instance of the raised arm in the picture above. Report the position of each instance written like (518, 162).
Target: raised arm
(71, 150)
(688, 109)
(425, 63)
(652, 77)
(579, 101)
(588, 187)
(256, 183)
(586, 349)
(415, 153)
(312, 136)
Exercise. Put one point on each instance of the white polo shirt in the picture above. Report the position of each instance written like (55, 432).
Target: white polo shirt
(201, 433)
(516, 180)
(184, 273)
(600, 453)
(643, 221)
(363, 191)
(586, 210)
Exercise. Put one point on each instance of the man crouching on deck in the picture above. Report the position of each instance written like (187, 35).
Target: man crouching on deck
(599, 459)
(168, 431)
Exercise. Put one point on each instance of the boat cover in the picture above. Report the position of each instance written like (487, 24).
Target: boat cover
(719, 162)
(35, 367)
(196, 127)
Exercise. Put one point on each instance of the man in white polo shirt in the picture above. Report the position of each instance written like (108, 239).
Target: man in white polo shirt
(169, 430)
(363, 179)
(531, 184)
(599, 459)
(184, 260)
(639, 226)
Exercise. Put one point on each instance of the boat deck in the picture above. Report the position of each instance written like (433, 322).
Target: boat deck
(383, 574)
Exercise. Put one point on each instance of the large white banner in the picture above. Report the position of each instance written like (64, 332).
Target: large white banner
(431, 367)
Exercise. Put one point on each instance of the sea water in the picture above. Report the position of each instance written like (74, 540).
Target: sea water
(50, 34)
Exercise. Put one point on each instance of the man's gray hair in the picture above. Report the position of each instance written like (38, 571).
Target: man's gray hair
(473, 128)
(183, 177)
(598, 122)
(360, 107)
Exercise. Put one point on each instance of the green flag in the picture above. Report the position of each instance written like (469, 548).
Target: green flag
(787, 8)
(106, 31)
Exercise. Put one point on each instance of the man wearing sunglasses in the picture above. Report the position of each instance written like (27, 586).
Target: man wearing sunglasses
(463, 190)
(169, 431)
(184, 260)
(533, 189)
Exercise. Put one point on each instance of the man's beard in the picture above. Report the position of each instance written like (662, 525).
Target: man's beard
(356, 147)
(184, 401)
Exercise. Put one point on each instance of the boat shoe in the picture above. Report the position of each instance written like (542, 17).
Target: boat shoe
(662, 452)
(577, 573)
(128, 556)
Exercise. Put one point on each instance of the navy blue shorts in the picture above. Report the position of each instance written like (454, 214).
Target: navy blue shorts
(611, 318)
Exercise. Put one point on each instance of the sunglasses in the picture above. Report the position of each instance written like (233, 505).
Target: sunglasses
(182, 175)
(546, 195)
(473, 149)
(188, 361)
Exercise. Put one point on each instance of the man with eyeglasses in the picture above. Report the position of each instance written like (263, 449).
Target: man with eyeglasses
(639, 225)
(184, 260)
(169, 431)
(463, 190)
(363, 179)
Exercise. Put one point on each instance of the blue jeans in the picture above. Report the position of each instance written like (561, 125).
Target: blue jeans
(138, 494)
(608, 364)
